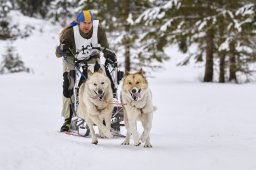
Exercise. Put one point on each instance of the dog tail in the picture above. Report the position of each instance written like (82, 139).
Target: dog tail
(154, 108)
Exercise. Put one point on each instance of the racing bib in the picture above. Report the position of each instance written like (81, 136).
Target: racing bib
(82, 43)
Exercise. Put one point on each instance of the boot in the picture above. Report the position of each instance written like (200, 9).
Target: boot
(66, 125)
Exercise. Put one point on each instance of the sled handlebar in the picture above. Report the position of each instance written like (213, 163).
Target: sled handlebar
(110, 55)
(102, 49)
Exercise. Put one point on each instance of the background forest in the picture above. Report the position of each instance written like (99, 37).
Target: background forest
(219, 34)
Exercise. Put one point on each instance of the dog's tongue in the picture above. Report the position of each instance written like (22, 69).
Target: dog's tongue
(98, 96)
(135, 96)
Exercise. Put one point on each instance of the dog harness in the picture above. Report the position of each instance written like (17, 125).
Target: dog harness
(83, 42)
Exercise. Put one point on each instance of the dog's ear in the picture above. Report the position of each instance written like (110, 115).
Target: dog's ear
(141, 72)
(100, 71)
(89, 73)
(126, 73)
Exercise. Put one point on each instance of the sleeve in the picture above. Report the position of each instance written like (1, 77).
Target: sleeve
(68, 36)
(102, 38)
(58, 52)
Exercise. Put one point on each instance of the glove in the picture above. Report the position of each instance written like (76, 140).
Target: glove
(120, 75)
(94, 54)
(110, 56)
(65, 45)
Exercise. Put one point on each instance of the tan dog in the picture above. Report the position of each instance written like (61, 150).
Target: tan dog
(95, 97)
(137, 100)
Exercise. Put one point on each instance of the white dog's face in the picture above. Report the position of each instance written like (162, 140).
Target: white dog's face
(98, 83)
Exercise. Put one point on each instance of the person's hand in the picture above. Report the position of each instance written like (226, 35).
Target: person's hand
(110, 56)
(65, 45)
(94, 53)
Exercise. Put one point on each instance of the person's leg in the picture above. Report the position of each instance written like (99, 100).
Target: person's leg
(68, 97)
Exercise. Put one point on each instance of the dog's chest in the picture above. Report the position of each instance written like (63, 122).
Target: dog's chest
(138, 104)
(100, 106)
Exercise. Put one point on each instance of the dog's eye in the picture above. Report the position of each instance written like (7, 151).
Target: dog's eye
(137, 82)
(95, 84)
(130, 82)
(102, 83)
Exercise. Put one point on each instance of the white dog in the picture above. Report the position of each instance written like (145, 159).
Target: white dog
(137, 100)
(95, 97)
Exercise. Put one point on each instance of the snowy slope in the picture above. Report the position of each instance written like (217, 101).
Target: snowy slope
(197, 126)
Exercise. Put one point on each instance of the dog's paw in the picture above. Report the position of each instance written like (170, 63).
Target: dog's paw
(137, 144)
(125, 143)
(109, 134)
(102, 135)
(95, 142)
(147, 145)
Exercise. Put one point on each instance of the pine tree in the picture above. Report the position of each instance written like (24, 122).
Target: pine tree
(237, 33)
(5, 7)
(158, 21)
(11, 62)
(131, 34)
(62, 11)
(219, 28)
(33, 8)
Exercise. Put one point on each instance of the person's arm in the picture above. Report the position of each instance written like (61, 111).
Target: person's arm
(58, 52)
(68, 41)
(102, 38)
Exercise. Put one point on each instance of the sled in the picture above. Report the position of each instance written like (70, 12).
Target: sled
(82, 64)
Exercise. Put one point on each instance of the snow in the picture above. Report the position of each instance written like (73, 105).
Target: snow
(225, 45)
(166, 25)
(172, 3)
(247, 49)
(158, 12)
(239, 47)
(197, 126)
(201, 25)
(247, 9)
(129, 19)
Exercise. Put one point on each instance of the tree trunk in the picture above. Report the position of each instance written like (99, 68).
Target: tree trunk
(222, 68)
(222, 54)
(208, 74)
(127, 60)
(232, 62)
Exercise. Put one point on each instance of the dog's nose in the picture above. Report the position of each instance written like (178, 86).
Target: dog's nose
(134, 90)
(100, 91)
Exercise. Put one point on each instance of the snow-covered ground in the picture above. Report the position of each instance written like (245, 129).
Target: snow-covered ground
(198, 126)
